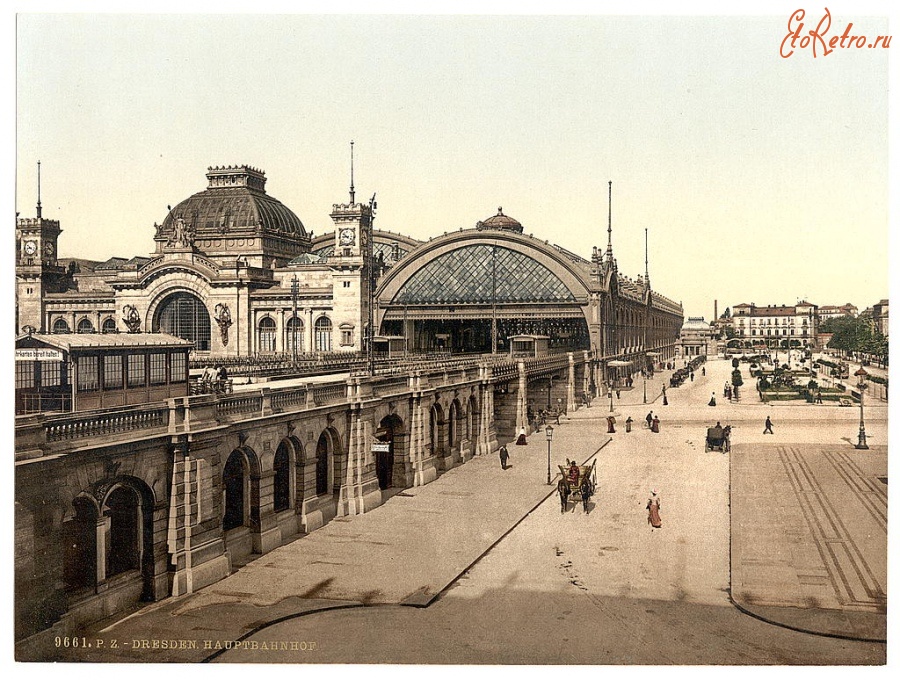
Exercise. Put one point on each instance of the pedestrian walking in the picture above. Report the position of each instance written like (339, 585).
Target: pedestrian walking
(628, 423)
(768, 429)
(653, 518)
(703, 371)
(610, 425)
(649, 418)
(504, 456)
(692, 376)
(819, 397)
(654, 425)
(712, 399)
(521, 441)
(665, 399)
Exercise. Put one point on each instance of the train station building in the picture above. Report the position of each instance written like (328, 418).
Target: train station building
(236, 273)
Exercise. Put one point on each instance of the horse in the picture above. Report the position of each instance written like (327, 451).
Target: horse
(587, 490)
(563, 490)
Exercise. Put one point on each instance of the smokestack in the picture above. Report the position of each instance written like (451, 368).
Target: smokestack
(715, 310)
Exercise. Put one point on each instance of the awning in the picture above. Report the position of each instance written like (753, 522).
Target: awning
(616, 363)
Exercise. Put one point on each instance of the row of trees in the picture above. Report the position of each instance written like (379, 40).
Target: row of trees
(856, 336)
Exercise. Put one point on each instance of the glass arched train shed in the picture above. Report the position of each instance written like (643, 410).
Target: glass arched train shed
(466, 290)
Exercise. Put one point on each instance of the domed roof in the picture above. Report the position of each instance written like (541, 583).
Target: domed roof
(234, 202)
(500, 221)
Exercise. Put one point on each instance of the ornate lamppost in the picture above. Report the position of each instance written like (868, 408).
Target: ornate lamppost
(549, 431)
(861, 376)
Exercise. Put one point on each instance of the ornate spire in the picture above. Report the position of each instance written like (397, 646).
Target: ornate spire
(610, 260)
(352, 190)
(646, 262)
(39, 191)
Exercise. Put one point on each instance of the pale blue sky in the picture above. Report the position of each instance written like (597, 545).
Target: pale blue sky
(757, 176)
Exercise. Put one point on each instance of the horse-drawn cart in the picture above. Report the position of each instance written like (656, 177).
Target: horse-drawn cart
(578, 483)
(718, 438)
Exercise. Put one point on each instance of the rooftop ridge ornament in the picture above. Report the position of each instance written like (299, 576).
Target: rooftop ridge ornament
(39, 191)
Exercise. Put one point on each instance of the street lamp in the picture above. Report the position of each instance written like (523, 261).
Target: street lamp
(549, 431)
(861, 384)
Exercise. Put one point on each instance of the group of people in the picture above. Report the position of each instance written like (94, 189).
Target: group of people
(213, 377)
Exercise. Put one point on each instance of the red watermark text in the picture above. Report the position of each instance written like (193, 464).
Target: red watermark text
(821, 42)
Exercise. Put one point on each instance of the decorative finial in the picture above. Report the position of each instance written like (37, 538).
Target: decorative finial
(352, 190)
(39, 191)
(500, 210)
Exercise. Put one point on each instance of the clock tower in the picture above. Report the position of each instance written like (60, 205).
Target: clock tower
(351, 267)
(37, 269)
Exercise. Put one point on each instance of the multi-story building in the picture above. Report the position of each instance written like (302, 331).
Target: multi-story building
(776, 326)
(833, 311)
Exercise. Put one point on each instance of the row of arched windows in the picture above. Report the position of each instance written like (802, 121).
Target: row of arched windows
(85, 325)
(267, 335)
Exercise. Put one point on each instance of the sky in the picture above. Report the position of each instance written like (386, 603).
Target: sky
(760, 179)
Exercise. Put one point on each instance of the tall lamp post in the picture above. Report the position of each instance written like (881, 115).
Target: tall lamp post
(549, 431)
(861, 376)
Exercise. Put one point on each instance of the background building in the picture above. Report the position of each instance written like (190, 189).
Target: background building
(776, 326)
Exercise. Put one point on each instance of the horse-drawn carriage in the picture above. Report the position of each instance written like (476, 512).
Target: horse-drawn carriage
(718, 438)
(578, 483)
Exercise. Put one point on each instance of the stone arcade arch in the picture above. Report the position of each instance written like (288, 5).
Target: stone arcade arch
(438, 433)
(240, 501)
(392, 432)
(454, 427)
(127, 534)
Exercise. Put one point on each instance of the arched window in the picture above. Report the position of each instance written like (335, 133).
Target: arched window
(324, 462)
(124, 531)
(109, 325)
(267, 335)
(85, 326)
(294, 334)
(235, 483)
(185, 316)
(60, 326)
(282, 481)
(323, 334)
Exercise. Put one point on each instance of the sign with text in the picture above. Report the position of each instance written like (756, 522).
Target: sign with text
(381, 447)
(38, 354)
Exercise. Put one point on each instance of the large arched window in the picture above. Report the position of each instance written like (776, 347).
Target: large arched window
(85, 326)
(60, 326)
(324, 463)
(323, 334)
(294, 335)
(109, 325)
(185, 316)
(483, 274)
(266, 335)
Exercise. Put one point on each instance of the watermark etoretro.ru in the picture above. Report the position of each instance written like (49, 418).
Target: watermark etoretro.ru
(818, 39)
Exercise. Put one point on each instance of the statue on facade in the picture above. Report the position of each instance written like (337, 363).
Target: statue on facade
(182, 234)
(132, 319)
(223, 318)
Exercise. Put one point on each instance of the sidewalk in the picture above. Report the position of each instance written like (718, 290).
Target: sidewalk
(406, 551)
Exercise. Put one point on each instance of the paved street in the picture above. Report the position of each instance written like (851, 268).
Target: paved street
(791, 525)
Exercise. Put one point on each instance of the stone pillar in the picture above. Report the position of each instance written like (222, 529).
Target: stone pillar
(310, 346)
(359, 490)
(102, 535)
(571, 405)
(522, 400)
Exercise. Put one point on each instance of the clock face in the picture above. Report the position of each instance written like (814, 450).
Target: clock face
(30, 247)
(48, 248)
(348, 237)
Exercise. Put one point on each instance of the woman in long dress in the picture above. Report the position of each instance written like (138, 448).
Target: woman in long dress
(653, 511)
(521, 441)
